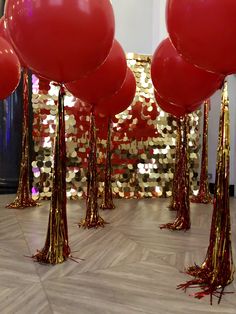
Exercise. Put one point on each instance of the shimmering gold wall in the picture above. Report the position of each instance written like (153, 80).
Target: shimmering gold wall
(144, 139)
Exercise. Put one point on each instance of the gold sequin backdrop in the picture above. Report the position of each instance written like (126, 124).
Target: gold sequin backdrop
(144, 140)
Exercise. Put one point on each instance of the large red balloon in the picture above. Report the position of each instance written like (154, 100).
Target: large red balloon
(121, 100)
(2, 29)
(177, 111)
(105, 81)
(173, 109)
(61, 40)
(204, 32)
(10, 70)
(5, 35)
(178, 81)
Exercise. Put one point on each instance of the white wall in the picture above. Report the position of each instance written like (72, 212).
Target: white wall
(140, 27)
(140, 24)
(134, 24)
(159, 24)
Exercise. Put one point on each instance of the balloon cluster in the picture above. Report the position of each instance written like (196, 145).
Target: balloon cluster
(191, 64)
(70, 42)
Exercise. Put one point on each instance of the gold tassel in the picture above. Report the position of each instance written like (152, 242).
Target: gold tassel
(216, 272)
(107, 199)
(92, 219)
(182, 220)
(175, 184)
(204, 195)
(56, 249)
(23, 196)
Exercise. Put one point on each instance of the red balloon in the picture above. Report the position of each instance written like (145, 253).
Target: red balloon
(44, 84)
(204, 32)
(5, 35)
(10, 71)
(61, 40)
(105, 81)
(178, 81)
(121, 100)
(193, 108)
(174, 110)
(2, 28)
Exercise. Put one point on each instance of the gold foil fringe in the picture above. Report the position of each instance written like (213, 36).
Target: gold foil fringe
(107, 197)
(204, 195)
(92, 219)
(177, 169)
(56, 249)
(182, 220)
(216, 272)
(23, 196)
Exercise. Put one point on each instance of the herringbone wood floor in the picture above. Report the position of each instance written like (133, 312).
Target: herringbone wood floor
(129, 267)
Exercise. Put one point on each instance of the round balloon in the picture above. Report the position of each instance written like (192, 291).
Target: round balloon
(2, 28)
(44, 84)
(105, 81)
(204, 32)
(5, 35)
(193, 108)
(174, 110)
(121, 100)
(178, 81)
(61, 40)
(10, 71)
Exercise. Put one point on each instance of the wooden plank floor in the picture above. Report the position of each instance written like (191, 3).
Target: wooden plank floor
(129, 267)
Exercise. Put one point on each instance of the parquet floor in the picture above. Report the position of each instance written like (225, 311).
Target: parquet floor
(129, 267)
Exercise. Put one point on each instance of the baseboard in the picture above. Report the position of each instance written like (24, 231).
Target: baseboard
(231, 189)
(8, 186)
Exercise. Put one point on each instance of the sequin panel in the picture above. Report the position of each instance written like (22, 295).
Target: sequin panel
(143, 142)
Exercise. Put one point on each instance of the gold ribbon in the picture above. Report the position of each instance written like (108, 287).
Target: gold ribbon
(217, 270)
(23, 196)
(107, 198)
(204, 195)
(56, 249)
(182, 220)
(92, 219)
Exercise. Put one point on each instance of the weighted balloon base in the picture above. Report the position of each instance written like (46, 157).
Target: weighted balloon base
(50, 257)
(22, 203)
(92, 223)
(179, 224)
(204, 280)
(201, 199)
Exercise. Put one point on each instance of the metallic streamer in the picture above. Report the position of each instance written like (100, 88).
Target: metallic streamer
(175, 184)
(23, 196)
(204, 195)
(92, 219)
(182, 220)
(107, 198)
(217, 270)
(56, 249)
